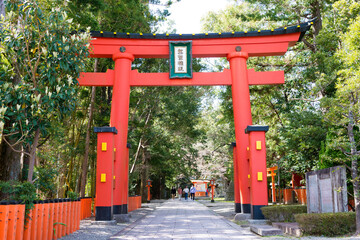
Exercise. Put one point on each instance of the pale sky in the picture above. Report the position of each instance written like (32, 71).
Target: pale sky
(187, 13)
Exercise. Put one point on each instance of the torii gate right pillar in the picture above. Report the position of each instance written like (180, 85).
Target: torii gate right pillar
(242, 118)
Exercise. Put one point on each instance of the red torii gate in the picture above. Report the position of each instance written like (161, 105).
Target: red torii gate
(237, 47)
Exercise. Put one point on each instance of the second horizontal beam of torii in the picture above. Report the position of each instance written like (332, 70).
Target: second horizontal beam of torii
(199, 79)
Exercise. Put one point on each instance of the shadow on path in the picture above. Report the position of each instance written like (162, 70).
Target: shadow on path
(176, 219)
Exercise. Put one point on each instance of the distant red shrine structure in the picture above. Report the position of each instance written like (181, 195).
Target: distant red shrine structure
(237, 47)
(201, 187)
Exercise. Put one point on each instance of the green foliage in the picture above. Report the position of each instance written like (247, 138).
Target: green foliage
(43, 59)
(24, 192)
(301, 140)
(306, 114)
(283, 213)
(72, 195)
(45, 180)
(57, 223)
(164, 121)
(327, 224)
(18, 191)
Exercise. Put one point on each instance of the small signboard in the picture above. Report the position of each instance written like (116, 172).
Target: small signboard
(180, 59)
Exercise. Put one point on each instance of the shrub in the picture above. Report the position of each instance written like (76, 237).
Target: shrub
(327, 224)
(283, 213)
(72, 195)
(24, 192)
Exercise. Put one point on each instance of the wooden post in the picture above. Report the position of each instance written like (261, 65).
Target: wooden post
(34, 221)
(4, 219)
(148, 185)
(11, 231)
(46, 220)
(258, 173)
(236, 181)
(119, 120)
(242, 118)
(20, 222)
(51, 219)
(104, 173)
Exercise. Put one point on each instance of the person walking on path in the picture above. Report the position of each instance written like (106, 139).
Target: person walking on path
(192, 192)
(179, 193)
(173, 193)
(186, 192)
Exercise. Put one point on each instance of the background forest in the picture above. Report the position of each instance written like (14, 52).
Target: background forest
(176, 133)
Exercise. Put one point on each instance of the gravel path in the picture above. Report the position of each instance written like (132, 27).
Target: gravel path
(175, 219)
(184, 220)
(89, 231)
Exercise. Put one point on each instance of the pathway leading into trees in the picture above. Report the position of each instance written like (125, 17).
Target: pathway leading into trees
(184, 220)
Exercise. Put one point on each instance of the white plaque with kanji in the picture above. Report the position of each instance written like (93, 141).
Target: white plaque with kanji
(180, 59)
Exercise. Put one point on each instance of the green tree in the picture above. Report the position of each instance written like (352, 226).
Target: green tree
(281, 107)
(344, 108)
(43, 59)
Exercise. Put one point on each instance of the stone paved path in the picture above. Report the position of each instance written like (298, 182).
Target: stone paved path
(183, 220)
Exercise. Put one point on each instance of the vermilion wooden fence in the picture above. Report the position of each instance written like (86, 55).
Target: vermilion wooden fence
(134, 203)
(49, 219)
(86, 207)
(285, 195)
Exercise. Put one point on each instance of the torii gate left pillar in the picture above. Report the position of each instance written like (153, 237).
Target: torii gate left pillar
(119, 120)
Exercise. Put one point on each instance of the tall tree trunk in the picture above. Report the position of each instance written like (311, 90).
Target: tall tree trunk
(69, 173)
(84, 168)
(93, 177)
(33, 155)
(354, 167)
(25, 164)
(10, 165)
(144, 175)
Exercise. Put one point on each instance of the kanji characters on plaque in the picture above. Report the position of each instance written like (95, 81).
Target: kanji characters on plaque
(180, 59)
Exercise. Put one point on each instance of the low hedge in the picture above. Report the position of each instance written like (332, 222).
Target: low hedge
(327, 224)
(283, 213)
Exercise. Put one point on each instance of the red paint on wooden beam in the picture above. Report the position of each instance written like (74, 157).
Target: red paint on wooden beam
(159, 48)
(265, 78)
(97, 79)
(199, 79)
(162, 79)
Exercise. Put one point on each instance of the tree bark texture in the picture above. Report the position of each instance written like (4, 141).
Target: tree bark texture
(354, 167)
(144, 175)
(10, 165)
(33, 155)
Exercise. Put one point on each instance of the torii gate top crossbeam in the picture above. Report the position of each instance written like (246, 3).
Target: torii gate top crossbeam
(256, 43)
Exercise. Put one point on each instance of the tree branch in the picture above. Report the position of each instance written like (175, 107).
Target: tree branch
(344, 151)
(43, 142)
(309, 45)
(304, 99)
(12, 148)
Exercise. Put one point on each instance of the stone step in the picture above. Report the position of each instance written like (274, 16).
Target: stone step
(242, 216)
(292, 229)
(265, 230)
